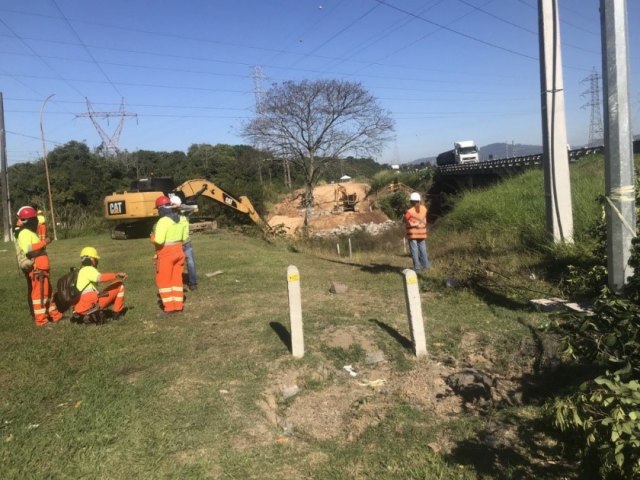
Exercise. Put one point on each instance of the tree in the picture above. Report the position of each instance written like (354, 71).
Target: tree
(313, 124)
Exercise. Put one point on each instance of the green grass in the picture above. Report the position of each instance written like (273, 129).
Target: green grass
(199, 395)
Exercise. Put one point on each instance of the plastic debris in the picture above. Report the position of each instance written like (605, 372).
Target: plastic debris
(350, 370)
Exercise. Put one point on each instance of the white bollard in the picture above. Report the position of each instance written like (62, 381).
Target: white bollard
(404, 245)
(414, 312)
(295, 312)
(338, 248)
(349, 248)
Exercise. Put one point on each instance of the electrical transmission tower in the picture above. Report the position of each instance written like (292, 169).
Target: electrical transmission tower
(258, 91)
(596, 130)
(110, 143)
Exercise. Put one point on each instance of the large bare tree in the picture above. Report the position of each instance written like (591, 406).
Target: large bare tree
(314, 123)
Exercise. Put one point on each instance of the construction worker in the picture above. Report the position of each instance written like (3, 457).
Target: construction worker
(42, 224)
(42, 307)
(168, 236)
(91, 299)
(187, 247)
(416, 223)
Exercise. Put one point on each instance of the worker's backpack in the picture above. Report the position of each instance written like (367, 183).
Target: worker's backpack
(67, 293)
(25, 263)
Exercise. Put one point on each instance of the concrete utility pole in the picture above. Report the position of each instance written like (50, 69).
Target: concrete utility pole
(6, 204)
(618, 142)
(557, 185)
(46, 168)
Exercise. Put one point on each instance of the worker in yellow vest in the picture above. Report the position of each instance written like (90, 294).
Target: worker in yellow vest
(416, 223)
(91, 299)
(42, 225)
(42, 306)
(168, 236)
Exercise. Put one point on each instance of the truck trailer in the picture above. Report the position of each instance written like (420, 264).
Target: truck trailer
(464, 151)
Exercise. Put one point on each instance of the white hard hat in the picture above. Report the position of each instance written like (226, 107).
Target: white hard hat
(415, 197)
(175, 201)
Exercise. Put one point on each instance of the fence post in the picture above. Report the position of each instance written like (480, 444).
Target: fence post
(414, 312)
(295, 312)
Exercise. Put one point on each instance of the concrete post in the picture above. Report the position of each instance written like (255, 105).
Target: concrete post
(295, 312)
(557, 185)
(414, 312)
(618, 143)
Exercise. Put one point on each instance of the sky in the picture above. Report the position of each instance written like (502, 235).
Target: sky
(189, 72)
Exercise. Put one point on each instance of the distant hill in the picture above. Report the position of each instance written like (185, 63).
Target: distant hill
(507, 150)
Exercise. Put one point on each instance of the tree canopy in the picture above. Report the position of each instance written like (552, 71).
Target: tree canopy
(315, 123)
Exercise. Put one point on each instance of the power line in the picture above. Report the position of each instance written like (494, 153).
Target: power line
(85, 48)
(457, 32)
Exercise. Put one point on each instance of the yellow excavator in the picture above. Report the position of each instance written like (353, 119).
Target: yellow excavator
(135, 210)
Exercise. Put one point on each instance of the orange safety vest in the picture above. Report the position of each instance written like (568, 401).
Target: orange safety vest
(416, 223)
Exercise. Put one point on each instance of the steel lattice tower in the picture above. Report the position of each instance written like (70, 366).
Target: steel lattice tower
(109, 142)
(258, 77)
(596, 129)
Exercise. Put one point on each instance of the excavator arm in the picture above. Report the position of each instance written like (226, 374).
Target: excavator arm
(192, 189)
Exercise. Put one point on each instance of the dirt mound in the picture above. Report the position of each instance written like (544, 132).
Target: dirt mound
(327, 213)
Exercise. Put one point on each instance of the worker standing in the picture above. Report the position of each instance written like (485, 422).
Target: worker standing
(187, 247)
(42, 225)
(168, 236)
(42, 306)
(416, 223)
(91, 300)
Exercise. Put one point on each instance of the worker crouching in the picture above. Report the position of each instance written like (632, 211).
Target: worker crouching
(41, 305)
(94, 302)
(168, 235)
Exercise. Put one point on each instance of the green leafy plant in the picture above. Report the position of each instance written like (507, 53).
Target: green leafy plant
(603, 417)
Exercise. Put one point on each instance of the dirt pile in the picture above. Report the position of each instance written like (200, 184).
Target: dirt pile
(328, 215)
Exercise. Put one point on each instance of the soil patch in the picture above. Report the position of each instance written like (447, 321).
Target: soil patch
(327, 212)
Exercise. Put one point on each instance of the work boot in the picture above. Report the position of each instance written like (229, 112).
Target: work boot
(120, 314)
(193, 287)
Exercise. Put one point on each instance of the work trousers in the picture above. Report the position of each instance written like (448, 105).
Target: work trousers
(43, 308)
(191, 264)
(418, 249)
(169, 266)
(93, 300)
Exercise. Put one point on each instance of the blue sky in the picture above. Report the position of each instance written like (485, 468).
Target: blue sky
(446, 69)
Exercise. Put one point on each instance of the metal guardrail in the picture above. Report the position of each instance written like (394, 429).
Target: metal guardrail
(501, 165)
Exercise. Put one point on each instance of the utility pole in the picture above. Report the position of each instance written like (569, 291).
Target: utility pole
(557, 185)
(46, 168)
(618, 142)
(6, 203)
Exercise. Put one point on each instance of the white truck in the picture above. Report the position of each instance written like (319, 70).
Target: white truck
(464, 151)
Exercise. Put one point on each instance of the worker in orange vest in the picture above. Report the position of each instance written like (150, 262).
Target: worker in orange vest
(42, 225)
(42, 306)
(91, 300)
(416, 223)
(168, 236)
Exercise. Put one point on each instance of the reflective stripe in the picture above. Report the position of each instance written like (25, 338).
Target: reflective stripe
(167, 244)
(120, 295)
(165, 290)
(39, 310)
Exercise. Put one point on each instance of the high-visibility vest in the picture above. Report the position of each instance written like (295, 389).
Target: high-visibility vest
(416, 222)
(29, 243)
(168, 232)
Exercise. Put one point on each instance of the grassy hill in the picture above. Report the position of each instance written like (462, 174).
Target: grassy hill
(215, 393)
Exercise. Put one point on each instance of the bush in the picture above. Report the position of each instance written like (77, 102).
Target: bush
(603, 417)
